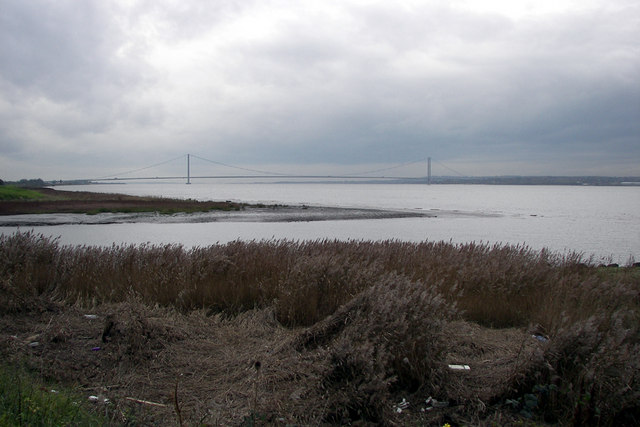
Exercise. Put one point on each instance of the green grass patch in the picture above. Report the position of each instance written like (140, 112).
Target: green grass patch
(9, 192)
(26, 401)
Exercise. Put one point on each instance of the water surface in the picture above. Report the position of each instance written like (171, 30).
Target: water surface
(599, 221)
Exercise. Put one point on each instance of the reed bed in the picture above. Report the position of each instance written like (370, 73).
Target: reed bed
(493, 285)
(381, 305)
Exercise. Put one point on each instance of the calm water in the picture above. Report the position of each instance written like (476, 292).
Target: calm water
(599, 221)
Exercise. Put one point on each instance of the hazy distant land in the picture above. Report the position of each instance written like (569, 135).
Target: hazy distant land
(485, 180)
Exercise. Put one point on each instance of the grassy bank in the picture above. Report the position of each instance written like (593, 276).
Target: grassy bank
(343, 330)
(16, 201)
(9, 192)
(25, 400)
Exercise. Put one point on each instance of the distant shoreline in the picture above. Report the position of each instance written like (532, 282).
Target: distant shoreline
(57, 207)
(584, 180)
(49, 201)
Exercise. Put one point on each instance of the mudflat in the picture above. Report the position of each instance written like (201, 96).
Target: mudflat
(70, 207)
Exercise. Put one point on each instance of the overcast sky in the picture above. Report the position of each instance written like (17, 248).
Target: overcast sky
(90, 88)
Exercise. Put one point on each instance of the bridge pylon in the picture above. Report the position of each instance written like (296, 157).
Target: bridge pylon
(188, 168)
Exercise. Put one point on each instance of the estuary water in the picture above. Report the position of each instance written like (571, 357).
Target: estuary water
(598, 222)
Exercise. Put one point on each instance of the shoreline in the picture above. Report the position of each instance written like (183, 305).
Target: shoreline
(58, 207)
(248, 214)
(50, 201)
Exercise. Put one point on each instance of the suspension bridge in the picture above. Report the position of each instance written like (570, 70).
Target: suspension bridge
(244, 172)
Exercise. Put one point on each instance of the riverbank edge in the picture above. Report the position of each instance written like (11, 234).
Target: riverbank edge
(57, 207)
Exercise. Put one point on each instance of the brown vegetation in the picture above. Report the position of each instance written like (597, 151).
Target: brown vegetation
(334, 332)
(57, 201)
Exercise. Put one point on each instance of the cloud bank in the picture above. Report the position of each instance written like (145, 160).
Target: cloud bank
(509, 87)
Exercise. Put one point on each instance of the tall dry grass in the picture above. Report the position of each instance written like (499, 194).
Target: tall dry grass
(494, 285)
(591, 315)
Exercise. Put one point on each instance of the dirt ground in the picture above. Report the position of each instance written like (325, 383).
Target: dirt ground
(156, 366)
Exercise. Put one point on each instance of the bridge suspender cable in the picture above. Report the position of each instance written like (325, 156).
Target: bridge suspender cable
(265, 174)
(115, 175)
(385, 169)
(241, 168)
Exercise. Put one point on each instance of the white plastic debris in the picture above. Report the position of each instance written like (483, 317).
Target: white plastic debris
(540, 338)
(34, 344)
(99, 399)
(433, 403)
(402, 405)
(91, 316)
(460, 367)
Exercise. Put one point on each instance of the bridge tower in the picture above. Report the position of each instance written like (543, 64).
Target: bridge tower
(188, 168)
(428, 170)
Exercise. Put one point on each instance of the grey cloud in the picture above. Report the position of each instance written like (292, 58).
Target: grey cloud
(340, 84)
(61, 66)
(60, 49)
(184, 20)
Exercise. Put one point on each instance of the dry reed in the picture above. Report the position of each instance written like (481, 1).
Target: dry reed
(379, 306)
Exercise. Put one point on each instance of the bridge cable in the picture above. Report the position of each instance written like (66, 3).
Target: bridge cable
(258, 170)
(140, 169)
(285, 174)
(451, 169)
(385, 169)
(240, 168)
